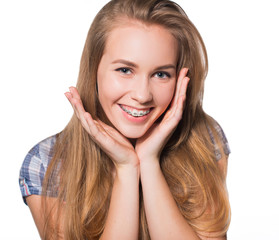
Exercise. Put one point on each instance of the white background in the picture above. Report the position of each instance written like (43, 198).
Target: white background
(40, 48)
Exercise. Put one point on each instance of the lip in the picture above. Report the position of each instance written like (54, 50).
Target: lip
(131, 108)
(134, 119)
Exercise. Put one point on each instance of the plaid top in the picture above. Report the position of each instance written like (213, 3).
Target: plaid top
(34, 167)
(35, 164)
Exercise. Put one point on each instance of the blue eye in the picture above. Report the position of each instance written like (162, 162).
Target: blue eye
(124, 70)
(162, 74)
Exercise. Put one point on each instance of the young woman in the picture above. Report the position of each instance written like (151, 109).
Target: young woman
(139, 159)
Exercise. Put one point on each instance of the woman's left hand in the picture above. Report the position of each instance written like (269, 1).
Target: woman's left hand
(150, 145)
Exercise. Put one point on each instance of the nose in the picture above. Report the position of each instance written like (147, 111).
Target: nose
(141, 91)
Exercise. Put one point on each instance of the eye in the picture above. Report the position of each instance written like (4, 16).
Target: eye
(124, 70)
(162, 74)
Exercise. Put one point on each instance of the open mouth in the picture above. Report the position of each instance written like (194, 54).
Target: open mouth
(135, 112)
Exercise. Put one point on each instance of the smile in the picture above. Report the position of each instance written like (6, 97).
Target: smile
(134, 112)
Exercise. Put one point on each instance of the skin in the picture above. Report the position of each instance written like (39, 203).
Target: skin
(140, 88)
(138, 78)
(135, 145)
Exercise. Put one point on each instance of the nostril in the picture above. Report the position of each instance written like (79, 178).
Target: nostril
(143, 97)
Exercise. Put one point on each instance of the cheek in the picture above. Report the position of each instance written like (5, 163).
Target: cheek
(165, 95)
(109, 89)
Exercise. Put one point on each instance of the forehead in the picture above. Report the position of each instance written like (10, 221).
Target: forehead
(138, 42)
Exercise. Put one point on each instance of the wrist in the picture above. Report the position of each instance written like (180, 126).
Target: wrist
(150, 164)
(127, 170)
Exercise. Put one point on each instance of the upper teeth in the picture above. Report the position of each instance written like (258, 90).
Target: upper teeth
(135, 113)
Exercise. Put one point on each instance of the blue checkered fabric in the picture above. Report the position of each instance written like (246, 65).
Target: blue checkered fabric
(34, 167)
(38, 158)
(222, 137)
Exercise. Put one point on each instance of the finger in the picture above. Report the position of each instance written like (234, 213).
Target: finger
(182, 74)
(74, 92)
(176, 114)
(183, 89)
(184, 86)
(77, 107)
(75, 100)
(97, 132)
(109, 130)
(176, 111)
(69, 96)
(179, 110)
(93, 129)
(182, 95)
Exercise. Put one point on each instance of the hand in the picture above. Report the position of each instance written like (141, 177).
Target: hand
(152, 143)
(113, 143)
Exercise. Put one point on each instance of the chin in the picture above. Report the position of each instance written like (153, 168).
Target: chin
(132, 133)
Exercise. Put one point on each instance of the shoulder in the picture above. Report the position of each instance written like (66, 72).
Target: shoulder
(34, 167)
(218, 139)
(219, 144)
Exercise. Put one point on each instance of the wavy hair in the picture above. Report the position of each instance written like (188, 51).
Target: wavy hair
(80, 173)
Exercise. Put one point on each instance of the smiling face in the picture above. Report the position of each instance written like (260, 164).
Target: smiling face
(137, 76)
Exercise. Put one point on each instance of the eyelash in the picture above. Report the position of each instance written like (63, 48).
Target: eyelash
(128, 69)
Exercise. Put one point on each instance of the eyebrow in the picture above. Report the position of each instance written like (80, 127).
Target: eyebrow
(131, 64)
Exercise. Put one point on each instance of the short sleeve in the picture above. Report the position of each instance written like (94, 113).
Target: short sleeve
(34, 167)
(222, 138)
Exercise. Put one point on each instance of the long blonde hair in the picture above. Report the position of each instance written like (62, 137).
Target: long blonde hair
(80, 173)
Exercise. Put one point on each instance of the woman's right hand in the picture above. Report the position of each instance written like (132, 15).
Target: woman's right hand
(113, 143)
